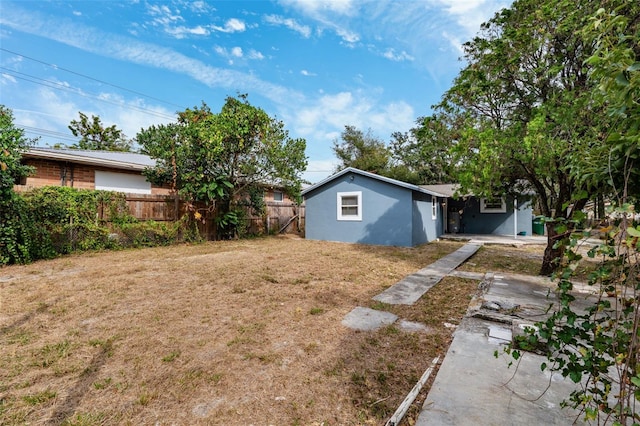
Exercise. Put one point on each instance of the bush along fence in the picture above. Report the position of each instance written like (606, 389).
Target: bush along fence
(47, 222)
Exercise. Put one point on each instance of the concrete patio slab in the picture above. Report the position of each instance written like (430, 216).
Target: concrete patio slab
(474, 387)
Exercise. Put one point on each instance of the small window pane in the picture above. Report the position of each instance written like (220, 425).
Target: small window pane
(349, 211)
(350, 201)
(278, 196)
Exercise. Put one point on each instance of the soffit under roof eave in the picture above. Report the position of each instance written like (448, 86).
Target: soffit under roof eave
(60, 156)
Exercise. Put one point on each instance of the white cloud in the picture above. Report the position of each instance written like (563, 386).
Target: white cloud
(163, 15)
(233, 25)
(470, 14)
(236, 51)
(292, 24)
(312, 7)
(308, 73)
(77, 13)
(347, 35)
(332, 14)
(133, 51)
(392, 55)
(180, 32)
(6, 78)
(199, 6)
(327, 116)
(254, 54)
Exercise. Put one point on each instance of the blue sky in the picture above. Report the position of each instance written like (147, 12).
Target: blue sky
(315, 65)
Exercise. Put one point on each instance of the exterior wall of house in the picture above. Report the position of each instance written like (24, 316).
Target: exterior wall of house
(389, 213)
(473, 221)
(425, 228)
(80, 176)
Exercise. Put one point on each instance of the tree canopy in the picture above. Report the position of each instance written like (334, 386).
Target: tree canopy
(525, 110)
(361, 150)
(221, 158)
(94, 135)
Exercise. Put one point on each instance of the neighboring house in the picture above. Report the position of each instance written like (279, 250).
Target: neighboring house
(106, 170)
(122, 172)
(474, 215)
(360, 207)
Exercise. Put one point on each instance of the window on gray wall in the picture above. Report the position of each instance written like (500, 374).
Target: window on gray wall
(493, 205)
(350, 205)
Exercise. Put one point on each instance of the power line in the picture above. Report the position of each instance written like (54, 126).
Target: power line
(47, 133)
(60, 86)
(90, 78)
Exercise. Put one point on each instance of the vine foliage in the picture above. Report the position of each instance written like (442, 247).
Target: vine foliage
(596, 347)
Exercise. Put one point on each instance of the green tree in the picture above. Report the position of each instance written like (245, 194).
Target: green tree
(422, 156)
(524, 109)
(15, 229)
(12, 144)
(219, 159)
(362, 151)
(94, 135)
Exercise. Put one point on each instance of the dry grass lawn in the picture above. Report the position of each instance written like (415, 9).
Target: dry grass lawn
(229, 333)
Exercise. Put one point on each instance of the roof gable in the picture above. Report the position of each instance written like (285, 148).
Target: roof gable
(372, 176)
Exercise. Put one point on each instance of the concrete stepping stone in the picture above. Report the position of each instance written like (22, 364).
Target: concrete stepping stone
(366, 319)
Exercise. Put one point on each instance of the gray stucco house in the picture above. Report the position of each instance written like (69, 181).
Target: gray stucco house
(360, 207)
(476, 215)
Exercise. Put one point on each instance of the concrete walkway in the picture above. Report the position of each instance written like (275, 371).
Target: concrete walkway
(473, 387)
(408, 290)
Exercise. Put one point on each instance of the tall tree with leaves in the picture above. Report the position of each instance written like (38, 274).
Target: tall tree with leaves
(220, 158)
(361, 150)
(422, 156)
(94, 135)
(525, 101)
(598, 345)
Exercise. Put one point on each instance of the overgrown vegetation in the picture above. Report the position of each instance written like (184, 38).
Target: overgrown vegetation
(53, 221)
(221, 160)
(598, 346)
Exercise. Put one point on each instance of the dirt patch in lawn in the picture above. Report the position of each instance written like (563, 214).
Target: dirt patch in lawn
(240, 332)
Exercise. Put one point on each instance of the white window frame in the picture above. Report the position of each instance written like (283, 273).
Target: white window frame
(491, 201)
(434, 208)
(281, 196)
(353, 217)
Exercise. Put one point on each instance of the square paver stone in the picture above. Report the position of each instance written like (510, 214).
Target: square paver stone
(368, 319)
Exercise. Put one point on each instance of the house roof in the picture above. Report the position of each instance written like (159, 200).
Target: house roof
(372, 176)
(448, 189)
(112, 159)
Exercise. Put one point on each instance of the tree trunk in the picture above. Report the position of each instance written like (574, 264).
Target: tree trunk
(552, 255)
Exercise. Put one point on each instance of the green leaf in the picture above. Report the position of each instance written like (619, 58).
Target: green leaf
(633, 232)
(575, 376)
(621, 79)
(634, 67)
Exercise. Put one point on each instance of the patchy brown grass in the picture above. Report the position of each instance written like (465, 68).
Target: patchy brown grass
(241, 332)
(521, 259)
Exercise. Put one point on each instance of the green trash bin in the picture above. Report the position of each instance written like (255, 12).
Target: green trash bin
(538, 225)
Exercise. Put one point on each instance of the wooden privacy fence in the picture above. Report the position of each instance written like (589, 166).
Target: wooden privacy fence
(285, 217)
